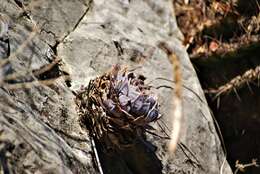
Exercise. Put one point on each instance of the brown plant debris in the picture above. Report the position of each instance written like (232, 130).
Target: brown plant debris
(237, 82)
(117, 108)
(217, 26)
(241, 167)
(29, 84)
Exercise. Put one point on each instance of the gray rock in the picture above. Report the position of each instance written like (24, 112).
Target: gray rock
(57, 18)
(127, 32)
(39, 126)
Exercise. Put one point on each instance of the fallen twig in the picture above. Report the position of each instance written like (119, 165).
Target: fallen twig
(31, 84)
(236, 83)
(241, 167)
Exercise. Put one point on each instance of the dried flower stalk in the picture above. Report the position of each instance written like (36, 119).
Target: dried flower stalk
(177, 100)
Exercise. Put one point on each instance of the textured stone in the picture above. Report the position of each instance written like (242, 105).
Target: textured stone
(127, 32)
(39, 126)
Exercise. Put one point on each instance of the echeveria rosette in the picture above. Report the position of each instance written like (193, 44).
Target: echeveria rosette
(132, 97)
(117, 107)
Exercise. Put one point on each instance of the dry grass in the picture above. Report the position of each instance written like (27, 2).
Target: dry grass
(239, 81)
(241, 167)
(177, 98)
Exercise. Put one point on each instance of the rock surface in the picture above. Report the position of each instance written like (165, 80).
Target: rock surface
(39, 126)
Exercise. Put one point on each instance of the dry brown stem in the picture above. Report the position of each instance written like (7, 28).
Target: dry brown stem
(26, 85)
(241, 167)
(236, 83)
(177, 99)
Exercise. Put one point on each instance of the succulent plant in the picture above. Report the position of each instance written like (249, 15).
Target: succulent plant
(117, 107)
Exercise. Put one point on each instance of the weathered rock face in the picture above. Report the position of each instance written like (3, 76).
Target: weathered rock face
(39, 126)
